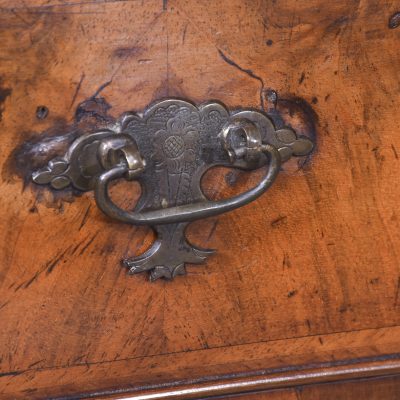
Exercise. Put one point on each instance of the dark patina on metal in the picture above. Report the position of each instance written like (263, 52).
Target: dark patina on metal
(167, 149)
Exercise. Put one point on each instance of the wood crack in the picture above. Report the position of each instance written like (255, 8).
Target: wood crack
(248, 72)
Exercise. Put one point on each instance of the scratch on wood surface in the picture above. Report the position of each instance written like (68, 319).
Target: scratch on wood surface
(11, 373)
(212, 230)
(149, 27)
(291, 29)
(184, 33)
(396, 298)
(84, 219)
(76, 247)
(286, 261)
(65, 12)
(21, 18)
(101, 88)
(88, 243)
(29, 283)
(278, 220)
(35, 363)
(167, 57)
(4, 304)
(55, 262)
(78, 87)
(49, 266)
(61, 5)
(297, 392)
(248, 72)
(395, 152)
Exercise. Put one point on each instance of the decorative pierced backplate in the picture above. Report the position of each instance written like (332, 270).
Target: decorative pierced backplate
(168, 149)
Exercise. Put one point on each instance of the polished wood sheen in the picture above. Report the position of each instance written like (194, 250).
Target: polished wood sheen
(306, 278)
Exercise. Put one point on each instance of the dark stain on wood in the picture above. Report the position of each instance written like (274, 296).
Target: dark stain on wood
(11, 373)
(278, 221)
(286, 261)
(294, 112)
(394, 20)
(4, 93)
(33, 209)
(171, 86)
(165, 5)
(298, 114)
(231, 178)
(42, 112)
(35, 152)
(270, 98)
(291, 109)
(107, 249)
(126, 52)
(95, 108)
(336, 26)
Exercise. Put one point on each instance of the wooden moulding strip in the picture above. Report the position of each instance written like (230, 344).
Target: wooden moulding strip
(219, 371)
(387, 366)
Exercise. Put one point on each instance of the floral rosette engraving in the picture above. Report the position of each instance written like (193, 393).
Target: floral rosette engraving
(176, 157)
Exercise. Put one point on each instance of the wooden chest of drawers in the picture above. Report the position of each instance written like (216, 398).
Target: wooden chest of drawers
(305, 286)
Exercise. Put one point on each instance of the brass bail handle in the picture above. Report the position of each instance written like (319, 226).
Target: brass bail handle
(242, 141)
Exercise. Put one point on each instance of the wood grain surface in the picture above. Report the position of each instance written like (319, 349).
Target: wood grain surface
(315, 258)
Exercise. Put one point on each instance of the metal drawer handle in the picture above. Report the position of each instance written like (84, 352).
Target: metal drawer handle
(187, 212)
(167, 150)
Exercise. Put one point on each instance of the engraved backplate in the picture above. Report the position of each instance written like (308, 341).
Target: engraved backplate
(179, 141)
